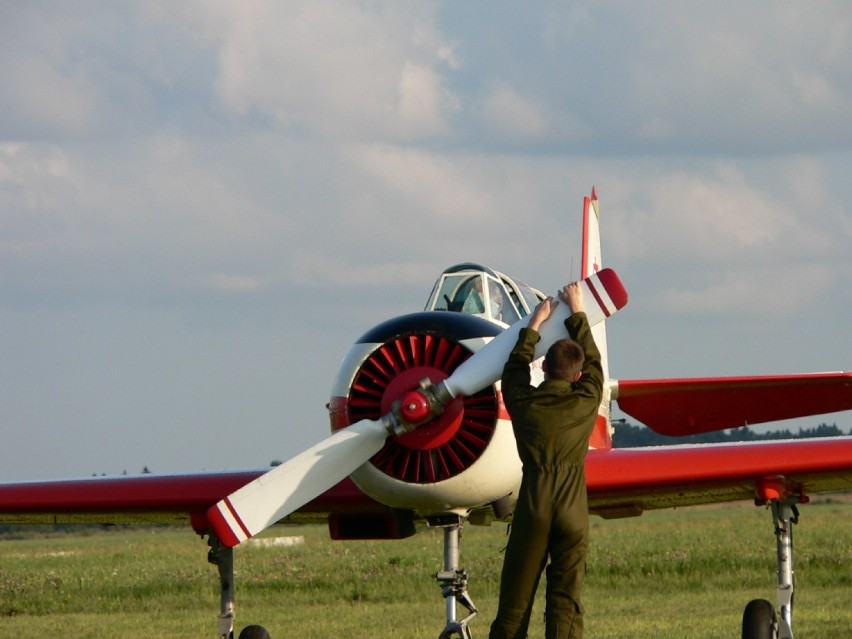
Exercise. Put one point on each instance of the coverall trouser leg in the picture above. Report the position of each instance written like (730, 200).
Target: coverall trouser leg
(551, 519)
(568, 547)
(523, 563)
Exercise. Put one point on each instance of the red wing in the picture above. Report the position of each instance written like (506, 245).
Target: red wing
(688, 406)
(626, 481)
(178, 498)
(620, 482)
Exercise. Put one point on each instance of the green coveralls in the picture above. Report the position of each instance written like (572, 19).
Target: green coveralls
(552, 425)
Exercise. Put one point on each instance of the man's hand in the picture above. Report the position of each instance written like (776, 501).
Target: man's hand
(542, 312)
(572, 295)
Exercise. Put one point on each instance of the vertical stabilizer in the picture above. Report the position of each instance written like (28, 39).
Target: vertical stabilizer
(592, 262)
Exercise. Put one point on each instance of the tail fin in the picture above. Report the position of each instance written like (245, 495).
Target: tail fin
(592, 262)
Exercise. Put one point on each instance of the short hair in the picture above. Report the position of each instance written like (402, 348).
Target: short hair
(564, 359)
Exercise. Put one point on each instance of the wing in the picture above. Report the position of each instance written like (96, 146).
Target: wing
(626, 481)
(689, 406)
(157, 499)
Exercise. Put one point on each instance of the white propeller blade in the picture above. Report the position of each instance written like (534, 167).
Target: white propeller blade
(287, 487)
(277, 493)
(603, 295)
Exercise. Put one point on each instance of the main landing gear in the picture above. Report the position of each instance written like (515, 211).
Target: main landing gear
(223, 558)
(453, 580)
(759, 618)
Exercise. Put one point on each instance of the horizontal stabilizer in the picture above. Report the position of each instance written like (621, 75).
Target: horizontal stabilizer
(678, 407)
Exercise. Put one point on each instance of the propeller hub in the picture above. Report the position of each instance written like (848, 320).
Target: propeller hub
(415, 407)
(378, 381)
(424, 421)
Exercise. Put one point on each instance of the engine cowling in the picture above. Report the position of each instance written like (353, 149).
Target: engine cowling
(464, 458)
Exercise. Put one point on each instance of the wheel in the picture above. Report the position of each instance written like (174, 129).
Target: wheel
(759, 620)
(254, 632)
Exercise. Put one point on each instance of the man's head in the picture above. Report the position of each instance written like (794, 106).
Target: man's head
(564, 360)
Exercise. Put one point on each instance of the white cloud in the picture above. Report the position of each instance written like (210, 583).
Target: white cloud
(442, 188)
(45, 89)
(341, 70)
(422, 101)
(717, 216)
(513, 116)
(37, 97)
(694, 78)
(817, 92)
(39, 186)
(759, 292)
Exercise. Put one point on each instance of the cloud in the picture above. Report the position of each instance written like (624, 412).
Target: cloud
(423, 100)
(44, 88)
(163, 215)
(716, 214)
(513, 116)
(235, 187)
(37, 98)
(761, 292)
(667, 77)
(229, 282)
(341, 70)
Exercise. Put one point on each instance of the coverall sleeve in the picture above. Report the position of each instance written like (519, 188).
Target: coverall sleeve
(580, 331)
(515, 382)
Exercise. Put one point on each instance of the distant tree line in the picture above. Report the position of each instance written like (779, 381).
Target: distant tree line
(145, 471)
(630, 436)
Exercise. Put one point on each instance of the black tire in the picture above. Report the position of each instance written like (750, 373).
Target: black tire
(254, 632)
(759, 620)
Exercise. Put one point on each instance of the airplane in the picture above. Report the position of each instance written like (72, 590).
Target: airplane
(420, 433)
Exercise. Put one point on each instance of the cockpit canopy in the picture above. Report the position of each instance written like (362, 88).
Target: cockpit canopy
(477, 290)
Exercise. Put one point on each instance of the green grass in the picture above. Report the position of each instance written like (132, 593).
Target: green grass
(686, 573)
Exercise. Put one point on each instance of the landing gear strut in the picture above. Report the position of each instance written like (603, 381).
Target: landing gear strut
(222, 557)
(453, 580)
(759, 617)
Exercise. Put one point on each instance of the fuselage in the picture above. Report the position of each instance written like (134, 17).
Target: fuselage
(467, 458)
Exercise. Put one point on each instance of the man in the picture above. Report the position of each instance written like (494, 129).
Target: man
(552, 425)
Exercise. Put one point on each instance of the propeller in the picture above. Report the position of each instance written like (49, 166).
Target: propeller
(277, 493)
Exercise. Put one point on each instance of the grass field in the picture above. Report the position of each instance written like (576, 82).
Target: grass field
(684, 574)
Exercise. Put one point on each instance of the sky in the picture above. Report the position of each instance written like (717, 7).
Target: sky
(204, 204)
